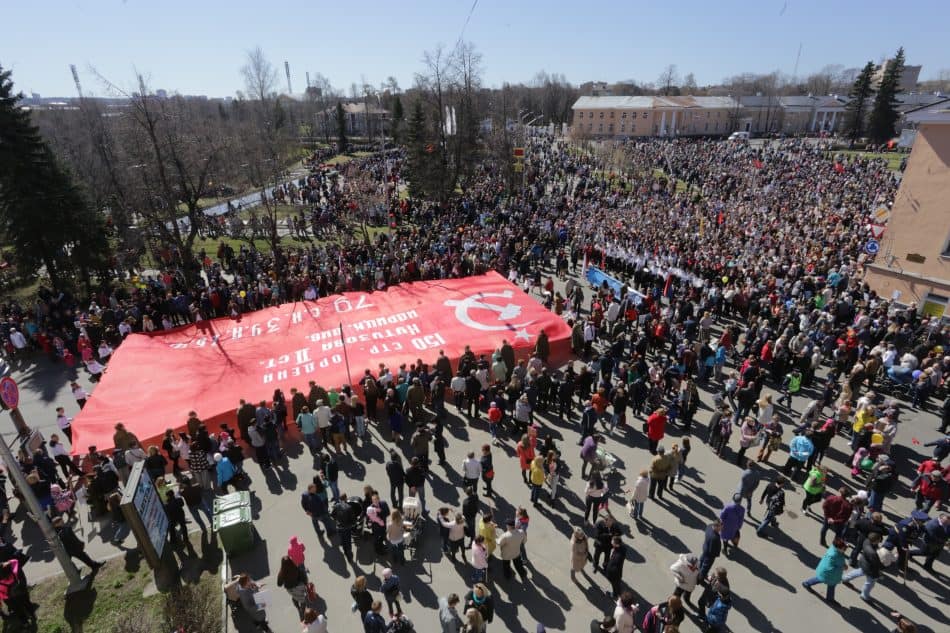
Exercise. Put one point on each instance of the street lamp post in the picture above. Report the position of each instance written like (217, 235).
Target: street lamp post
(10, 399)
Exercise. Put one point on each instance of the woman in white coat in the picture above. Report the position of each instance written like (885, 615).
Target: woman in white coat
(639, 494)
(685, 575)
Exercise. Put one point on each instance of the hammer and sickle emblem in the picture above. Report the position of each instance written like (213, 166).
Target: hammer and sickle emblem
(505, 312)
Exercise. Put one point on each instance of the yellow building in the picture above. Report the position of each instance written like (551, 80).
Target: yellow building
(627, 117)
(913, 264)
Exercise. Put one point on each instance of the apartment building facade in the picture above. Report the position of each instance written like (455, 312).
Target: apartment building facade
(632, 117)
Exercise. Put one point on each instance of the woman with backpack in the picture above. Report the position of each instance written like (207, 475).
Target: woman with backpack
(716, 583)
(718, 612)
(480, 599)
(721, 433)
(293, 579)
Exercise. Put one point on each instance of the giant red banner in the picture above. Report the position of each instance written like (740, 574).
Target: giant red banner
(154, 380)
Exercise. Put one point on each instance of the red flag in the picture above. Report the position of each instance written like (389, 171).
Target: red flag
(668, 287)
(720, 218)
(757, 163)
(283, 345)
(839, 168)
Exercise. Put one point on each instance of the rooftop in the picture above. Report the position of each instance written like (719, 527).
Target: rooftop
(640, 103)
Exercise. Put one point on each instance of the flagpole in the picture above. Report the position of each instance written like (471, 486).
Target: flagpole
(349, 377)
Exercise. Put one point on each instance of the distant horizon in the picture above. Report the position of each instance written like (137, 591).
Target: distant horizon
(194, 50)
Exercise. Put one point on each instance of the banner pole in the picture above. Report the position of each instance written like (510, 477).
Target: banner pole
(349, 377)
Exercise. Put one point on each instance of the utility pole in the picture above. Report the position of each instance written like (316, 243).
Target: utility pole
(10, 398)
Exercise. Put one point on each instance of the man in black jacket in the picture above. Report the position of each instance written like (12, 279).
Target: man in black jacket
(175, 509)
(397, 479)
(604, 530)
(245, 417)
(73, 544)
(865, 527)
(774, 499)
(870, 566)
(473, 390)
(470, 509)
(315, 507)
(416, 480)
(712, 548)
(346, 513)
(614, 568)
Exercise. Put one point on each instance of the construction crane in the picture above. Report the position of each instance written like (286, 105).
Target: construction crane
(290, 90)
(72, 67)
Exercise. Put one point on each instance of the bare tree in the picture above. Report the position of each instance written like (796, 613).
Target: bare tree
(260, 76)
(160, 158)
(668, 79)
(266, 142)
(433, 84)
(689, 84)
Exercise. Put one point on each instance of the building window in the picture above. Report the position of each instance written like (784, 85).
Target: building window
(644, 115)
(623, 115)
(590, 126)
(601, 115)
(580, 114)
(612, 114)
(611, 128)
(717, 126)
(707, 128)
(600, 128)
(707, 115)
(623, 127)
(633, 128)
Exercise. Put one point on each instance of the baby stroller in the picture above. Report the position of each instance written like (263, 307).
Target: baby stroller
(413, 524)
(899, 382)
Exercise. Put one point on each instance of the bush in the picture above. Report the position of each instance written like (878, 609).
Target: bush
(192, 609)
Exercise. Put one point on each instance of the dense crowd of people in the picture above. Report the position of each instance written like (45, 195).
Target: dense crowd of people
(736, 283)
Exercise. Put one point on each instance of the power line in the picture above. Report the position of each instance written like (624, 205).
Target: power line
(469, 17)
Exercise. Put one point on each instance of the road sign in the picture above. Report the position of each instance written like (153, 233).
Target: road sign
(881, 214)
(9, 393)
(518, 152)
(872, 247)
(877, 230)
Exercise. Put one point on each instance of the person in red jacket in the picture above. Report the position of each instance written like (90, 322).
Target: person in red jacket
(837, 510)
(930, 491)
(656, 428)
(599, 401)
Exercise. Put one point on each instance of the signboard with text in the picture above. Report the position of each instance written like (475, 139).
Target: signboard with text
(145, 513)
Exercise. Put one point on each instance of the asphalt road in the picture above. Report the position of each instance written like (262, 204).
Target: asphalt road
(765, 574)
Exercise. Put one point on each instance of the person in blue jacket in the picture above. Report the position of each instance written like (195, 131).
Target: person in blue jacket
(717, 613)
(225, 470)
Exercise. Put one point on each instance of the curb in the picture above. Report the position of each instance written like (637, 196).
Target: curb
(225, 576)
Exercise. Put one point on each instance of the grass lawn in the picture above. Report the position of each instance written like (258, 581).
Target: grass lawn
(121, 595)
(211, 245)
(340, 159)
(893, 158)
(24, 294)
(680, 184)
